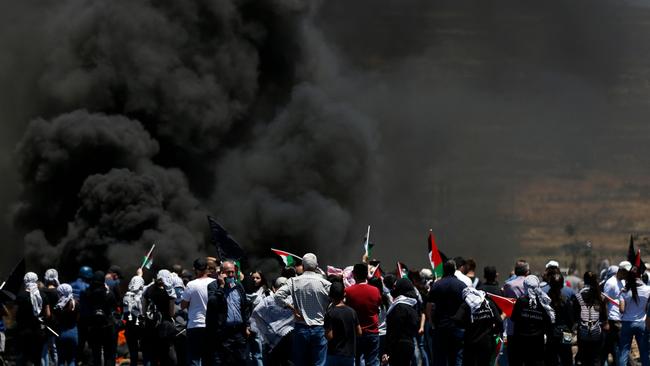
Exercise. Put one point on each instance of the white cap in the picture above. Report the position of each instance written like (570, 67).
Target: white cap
(552, 263)
(625, 265)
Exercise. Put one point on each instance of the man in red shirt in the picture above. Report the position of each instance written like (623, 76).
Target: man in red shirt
(365, 299)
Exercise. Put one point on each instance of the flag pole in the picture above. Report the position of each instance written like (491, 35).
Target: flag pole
(368, 243)
(148, 256)
(291, 254)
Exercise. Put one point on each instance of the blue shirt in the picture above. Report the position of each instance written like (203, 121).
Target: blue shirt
(233, 299)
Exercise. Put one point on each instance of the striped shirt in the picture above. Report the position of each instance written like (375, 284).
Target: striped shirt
(310, 295)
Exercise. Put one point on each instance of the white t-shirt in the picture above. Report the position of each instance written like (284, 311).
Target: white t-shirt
(613, 289)
(196, 293)
(636, 311)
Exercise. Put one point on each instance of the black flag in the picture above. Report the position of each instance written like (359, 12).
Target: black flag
(227, 247)
(634, 257)
(14, 281)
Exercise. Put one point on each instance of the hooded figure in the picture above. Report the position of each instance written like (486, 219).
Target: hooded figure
(31, 287)
(402, 323)
(165, 277)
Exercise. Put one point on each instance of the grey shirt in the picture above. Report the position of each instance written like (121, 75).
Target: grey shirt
(310, 295)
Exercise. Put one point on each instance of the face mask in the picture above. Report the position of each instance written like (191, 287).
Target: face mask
(230, 281)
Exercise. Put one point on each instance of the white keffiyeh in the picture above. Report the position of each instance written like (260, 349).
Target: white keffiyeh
(133, 297)
(65, 296)
(31, 286)
(535, 293)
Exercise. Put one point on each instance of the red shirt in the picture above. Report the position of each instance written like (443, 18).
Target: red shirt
(365, 300)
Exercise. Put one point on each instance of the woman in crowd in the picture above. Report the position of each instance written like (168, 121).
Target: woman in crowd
(633, 302)
(532, 318)
(558, 345)
(402, 324)
(66, 315)
(32, 308)
(482, 322)
(590, 311)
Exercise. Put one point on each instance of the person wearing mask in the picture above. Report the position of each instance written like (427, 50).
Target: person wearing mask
(134, 318)
(590, 312)
(66, 315)
(365, 299)
(101, 328)
(491, 285)
(227, 317)
(32, 307)
(51, 281)
(402, 323)
(612, 289)
(159, 301)
(532, 318)
(195, 300)
(310, 297)
(633, 303)
(558, 344)
(482, 322)
(444, 299)
(275, 324)
(342, 328)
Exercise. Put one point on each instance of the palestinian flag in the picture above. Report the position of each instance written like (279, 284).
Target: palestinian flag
(434, 256)
(367, 245)
(377, 273)
(147, 262)
(402, 271)
(506, 304)
(634, 257)
(289, 259)
(497, 350)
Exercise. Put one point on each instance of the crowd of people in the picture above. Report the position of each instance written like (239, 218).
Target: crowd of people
(218, 315)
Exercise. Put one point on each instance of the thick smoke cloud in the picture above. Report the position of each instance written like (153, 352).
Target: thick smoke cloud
(146, 116)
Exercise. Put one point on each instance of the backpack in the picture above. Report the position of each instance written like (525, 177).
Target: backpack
(589, 328)
(152, 316)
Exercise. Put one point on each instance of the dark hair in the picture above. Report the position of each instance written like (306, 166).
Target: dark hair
(593, 294)
(448, 268)
(521, 267)
(200, 264)
(337, 291)
(630, 283)
(360, 270)
(471, 264)
(264, 283)
(404, 286)
(490, 273)
(556, 283)
(288, 272)
(376, 282)
(460, 261)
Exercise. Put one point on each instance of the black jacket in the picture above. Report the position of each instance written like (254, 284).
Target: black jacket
(217, 309)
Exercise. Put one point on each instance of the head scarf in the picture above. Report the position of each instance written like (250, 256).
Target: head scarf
(52, 275)
(474, 299)
(535, 294)
(65, 295)
(177, 281)
(612, 270)
(402, 293)
(31, 286)
(133, 297)
(166, 277)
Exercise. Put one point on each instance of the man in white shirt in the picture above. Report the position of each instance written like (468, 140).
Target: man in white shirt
(308, 296)
(195, 299)
(612, 289)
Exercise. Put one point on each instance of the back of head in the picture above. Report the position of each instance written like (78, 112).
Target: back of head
(522, 268)
(115, 269)
(360, 272)
(309, 262)
(200, 264)
(490, 273)
(403, 286)
(86, 273)
(460, 262)
(288, 272)
(449, 268)
(279, 282)
(337, 291)
(389, 280)
(470, 263)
